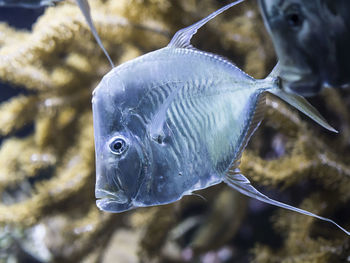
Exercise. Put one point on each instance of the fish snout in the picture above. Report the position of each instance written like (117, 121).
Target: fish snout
(118, 197)
(118, 175)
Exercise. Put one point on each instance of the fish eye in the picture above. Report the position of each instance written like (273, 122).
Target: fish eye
(293, 16)
(118, 145)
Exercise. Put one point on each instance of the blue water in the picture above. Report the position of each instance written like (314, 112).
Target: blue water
(21, 18)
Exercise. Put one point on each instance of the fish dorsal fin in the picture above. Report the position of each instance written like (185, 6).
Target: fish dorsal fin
(304, 106)
(85, 9)
(182, 38)
(243, 185)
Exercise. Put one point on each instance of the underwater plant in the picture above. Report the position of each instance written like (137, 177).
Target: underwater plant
(47, 175)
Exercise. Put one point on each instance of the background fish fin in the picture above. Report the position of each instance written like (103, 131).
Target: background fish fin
(182, 38)
(243, 185)
(85, 9)
(264, 11)
(304, 106)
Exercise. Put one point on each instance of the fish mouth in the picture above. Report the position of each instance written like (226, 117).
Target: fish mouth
(113, 202)
(118, 197)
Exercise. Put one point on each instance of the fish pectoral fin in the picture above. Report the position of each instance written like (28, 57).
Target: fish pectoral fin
(301, 104)
(159, 118)
(243, 185)
(182, 38)
(85, 9)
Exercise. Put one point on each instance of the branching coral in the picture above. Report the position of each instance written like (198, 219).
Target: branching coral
(47, 176)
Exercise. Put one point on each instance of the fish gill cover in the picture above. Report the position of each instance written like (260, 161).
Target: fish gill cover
(47, 177)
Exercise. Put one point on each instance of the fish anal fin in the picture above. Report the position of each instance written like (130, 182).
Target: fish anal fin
(182, 38)
(240, 183)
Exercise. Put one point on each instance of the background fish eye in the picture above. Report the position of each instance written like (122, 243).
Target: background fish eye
(293, 16)
(118, 145)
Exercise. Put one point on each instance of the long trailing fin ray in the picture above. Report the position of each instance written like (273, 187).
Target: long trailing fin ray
(85, 9)
(304, 106)
(243, 185)
(182, 38)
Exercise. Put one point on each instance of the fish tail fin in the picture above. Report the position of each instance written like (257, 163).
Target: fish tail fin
(302, 105)
(275, 73)
(295, 100)
(239, 182)
(85, 9)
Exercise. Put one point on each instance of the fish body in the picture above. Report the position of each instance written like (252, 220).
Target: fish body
(312, 40)
(176, 120)
(211, 108)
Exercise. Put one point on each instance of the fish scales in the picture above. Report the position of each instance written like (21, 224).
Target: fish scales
(185, 94)
(176, 120)
(219, 133)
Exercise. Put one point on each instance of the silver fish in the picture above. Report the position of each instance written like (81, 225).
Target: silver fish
(312, 40)
(83, 5)
(176, 120)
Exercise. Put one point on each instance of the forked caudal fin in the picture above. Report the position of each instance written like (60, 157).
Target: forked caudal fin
(242, 184)
(297, 101)
(85, 9)
(182, 38)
